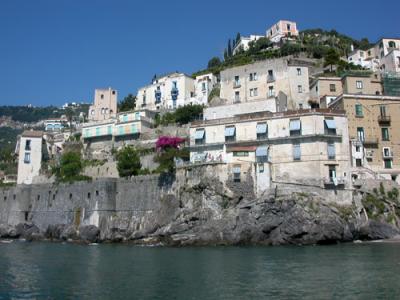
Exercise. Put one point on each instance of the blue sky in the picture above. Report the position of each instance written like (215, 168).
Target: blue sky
(53, 51)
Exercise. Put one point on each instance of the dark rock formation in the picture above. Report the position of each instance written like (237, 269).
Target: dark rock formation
(89, 233)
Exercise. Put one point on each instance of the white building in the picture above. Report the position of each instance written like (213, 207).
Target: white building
(391, 62)
(282, 82)
(30, 156)
(55, 124)
(244, 42)
(175, 90)
(365, 59)
(104, 105)
(308, 147)
(281, 30)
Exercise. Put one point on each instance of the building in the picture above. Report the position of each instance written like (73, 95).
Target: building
(391, 62)
(167, 92)
(364, 58)
(243, 44)
(55, 124)
(30, 156)
(374, 131)
(284, 83)
(306, 147)
(282, 30)
(204, 84)
(127, 125)
(104, 105)
(325, 89)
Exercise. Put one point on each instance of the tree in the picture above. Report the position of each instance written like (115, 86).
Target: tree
(214, 62)
(69, 113)
(70, 168)
(188, 113)
(237, 38)
(332, 57)
(229, 51)
(127, 104)
(128, 162)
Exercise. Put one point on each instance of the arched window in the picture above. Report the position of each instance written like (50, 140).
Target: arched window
(392, 44)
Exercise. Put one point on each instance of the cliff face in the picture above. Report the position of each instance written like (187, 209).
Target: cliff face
(170, 211)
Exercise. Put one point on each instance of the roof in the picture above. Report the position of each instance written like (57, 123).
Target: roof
(32, 133)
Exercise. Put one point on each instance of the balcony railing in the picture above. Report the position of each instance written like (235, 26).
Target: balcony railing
(271, 78)
(236, 85)
(388, 154)
(334, 181)
(370, 141)
(384, 119)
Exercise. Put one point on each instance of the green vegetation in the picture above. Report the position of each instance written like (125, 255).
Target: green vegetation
(70, 168)
(183, 115)
(215, 92)
(128, 162)
(314, 43)
(127, 104)
(166, 159)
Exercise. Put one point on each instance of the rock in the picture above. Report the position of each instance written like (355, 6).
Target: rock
(69, 233)
(375, 230)
(89, 233)
(54, 232)
(26, 230)
(7, 231)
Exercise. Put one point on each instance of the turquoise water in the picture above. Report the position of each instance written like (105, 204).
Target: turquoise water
(64, 271)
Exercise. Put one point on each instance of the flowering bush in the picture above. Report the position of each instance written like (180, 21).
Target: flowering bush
(165, 142)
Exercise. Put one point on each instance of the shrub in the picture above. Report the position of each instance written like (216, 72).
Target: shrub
(128, 162)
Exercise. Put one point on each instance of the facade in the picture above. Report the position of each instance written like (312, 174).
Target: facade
(203, 87)
(325, 89)
(104, 105)
(125, 125)
(307, 147)
(166, 92)
(54, 124)
(244, 42)
(366, 83)
(282, 29)
(283, 82)
(364, 58)
(391, 62)
(30, 156)
(374, 131)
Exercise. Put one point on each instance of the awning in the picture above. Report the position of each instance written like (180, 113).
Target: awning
(236, 170)
(199, 135)
(261, 128)
(330, 124)
(241, 148)
(229, 131)
(262, 151)
(295, 125)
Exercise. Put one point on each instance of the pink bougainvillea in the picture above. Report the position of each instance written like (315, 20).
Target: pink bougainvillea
(168, 141)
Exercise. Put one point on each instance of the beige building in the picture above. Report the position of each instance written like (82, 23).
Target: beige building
(30, 156)
(308, 147)
(282, 29)
(374, 131)
(104, 105)
(282, 82)
(326, 89)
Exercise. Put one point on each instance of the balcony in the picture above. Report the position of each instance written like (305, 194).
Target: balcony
(370, 141)
(236, 85)
(388, 154)
(334, 181)
(384, 120)
(270, 78)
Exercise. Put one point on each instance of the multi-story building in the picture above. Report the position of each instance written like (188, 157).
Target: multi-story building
(166, 92)
(30, 156)
(364, 58)
(104, 105)
(127, 125)
(325, 89)
(308, 147)
(374, 130)
(282, 82)
(282, 29)
(244, 42)
(55, 124)
(391, 62)
(204, 84)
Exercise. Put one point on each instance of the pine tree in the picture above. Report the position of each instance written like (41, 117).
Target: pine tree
(229, 52)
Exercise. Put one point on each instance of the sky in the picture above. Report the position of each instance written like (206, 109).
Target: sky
(57, 51)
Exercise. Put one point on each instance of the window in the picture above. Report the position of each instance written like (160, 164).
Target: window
(113, 92)
(262, 131)
(27, 158)
(237, 81)
(332, 173)
(203, 86)
(382, 54)
(299, 89)
(330, 126)
(230, 134)
(260, 168)
(237, 97)
(331, 151)
(359, 84)
(288, 27)
(296, 152)
(382, 110)
(358, 149)
(101, 96)
(262, 154)
(385, 134)
(359, 110)
(332, 87)
(298, 71)
(300, 106)
(270, 76)
(253, 92)
(392, 44)
(236, 173)
(386, 152)
(358, 162)
(361, 54)
(253, 76)
(240, 153)
(271, 92)
(199, 136)
(109, 130)
(295, 127)
(369, 52)
(360, 134)
(28, 145)
(388, 163)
